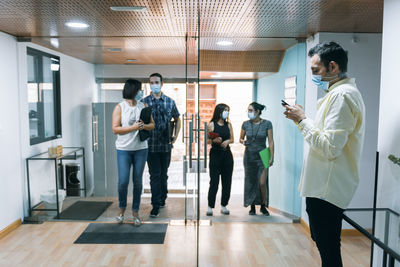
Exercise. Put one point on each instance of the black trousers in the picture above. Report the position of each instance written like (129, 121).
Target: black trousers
(325, 227)
(221, 164)
(158, 163)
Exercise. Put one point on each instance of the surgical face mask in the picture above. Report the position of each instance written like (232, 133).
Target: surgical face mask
(139, 95)
(155, 88)
(323, 82)
(251, 115)
(225, 114)
(317, 80)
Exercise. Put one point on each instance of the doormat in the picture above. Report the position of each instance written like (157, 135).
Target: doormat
(85, 210)
(114, 233)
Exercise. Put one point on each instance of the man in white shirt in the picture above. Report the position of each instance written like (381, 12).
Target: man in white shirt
(330, 173)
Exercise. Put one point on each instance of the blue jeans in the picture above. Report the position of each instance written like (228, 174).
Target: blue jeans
(126, 159)
(158, 163)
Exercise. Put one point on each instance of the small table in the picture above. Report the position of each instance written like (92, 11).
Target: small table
(68, 153)
(389, 222)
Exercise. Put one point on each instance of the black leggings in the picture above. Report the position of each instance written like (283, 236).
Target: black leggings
(221, 164)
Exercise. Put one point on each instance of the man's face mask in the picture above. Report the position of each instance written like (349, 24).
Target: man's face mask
(155, 88)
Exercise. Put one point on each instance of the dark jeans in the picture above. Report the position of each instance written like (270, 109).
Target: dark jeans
(158, 163)
(325, 227)
(126, 159)
(221, 164)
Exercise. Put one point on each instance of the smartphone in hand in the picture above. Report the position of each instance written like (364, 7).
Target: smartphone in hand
(284, 103)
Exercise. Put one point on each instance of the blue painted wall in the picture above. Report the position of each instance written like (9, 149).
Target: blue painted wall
(284, 175)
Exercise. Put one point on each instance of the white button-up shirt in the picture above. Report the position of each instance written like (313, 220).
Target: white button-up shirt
(330, 171)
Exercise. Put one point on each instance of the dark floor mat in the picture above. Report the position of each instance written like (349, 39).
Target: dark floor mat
(114, 233)
(85, 210)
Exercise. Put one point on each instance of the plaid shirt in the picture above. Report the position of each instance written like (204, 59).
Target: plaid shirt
(163, 110)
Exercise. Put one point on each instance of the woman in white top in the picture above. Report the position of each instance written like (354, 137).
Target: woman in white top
(131, 151)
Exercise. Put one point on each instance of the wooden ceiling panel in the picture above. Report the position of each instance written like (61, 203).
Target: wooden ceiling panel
(262, 28)
(241, 61)
(218, 18)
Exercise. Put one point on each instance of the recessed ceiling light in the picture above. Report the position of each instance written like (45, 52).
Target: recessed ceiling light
(215, 76)
(131, 60)
(128, 8)
(224, 43)
(114, 49)
(77, 25)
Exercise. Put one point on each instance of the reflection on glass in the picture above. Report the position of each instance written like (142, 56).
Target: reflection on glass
(33, 98)
(43, 73)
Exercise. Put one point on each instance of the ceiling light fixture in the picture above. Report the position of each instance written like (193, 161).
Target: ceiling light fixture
(224, 43)
(128, 8)
(215, 76)
(131, 60)
(77, 25)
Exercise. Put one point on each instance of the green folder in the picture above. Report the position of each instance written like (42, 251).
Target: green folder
(265, 155)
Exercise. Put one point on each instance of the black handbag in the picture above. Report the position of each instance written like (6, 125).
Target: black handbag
(145, 116)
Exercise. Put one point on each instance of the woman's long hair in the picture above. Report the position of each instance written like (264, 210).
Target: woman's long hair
(218, 112)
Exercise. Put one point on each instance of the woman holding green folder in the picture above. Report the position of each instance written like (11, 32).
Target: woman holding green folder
(253, 135)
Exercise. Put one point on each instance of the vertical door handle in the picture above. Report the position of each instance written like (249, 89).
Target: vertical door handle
(183, 127)
(190, 142)
(205, 144)
(95, 133)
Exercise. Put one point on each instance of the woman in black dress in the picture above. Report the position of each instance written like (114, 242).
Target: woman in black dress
(221, 159)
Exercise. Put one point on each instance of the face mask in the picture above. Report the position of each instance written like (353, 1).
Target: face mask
(317, 80)
(139, 95)
(155, 88)
(225, 115)
(251, 115)
(324, 85)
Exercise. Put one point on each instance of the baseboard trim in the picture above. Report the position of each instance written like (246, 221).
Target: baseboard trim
(292, 217)
(10, 228)
(345, 232)
(304, 225)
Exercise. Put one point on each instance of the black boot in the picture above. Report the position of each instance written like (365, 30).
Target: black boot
(252, 210)
(263, 210)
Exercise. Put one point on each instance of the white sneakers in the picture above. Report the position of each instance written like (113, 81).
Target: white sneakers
(224, 210)
(120, 218)
(136, 220)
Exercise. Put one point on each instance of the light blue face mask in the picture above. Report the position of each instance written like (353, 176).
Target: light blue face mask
(225, 114)
(139, 95)
(155, 88)
(317, 80)
(251, 115)
(324, 85)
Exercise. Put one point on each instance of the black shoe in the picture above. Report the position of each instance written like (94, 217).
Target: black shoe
(252, 210)
(264, 210)
(154, 212)
(162, 205)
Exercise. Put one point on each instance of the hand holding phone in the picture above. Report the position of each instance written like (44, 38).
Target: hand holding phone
(284, 103)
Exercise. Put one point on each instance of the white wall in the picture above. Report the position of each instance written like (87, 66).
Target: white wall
(364, 54)
(389, 114)
(10, 154)
(77, 89)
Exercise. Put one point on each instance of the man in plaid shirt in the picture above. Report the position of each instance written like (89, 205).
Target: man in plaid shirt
(163, 109)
